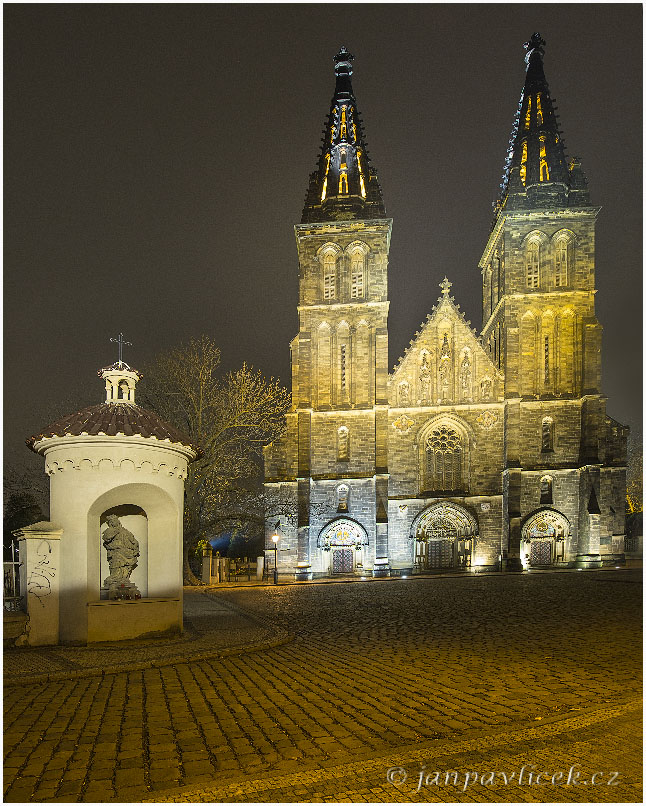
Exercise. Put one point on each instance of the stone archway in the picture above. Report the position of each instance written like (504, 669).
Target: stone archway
(543, 538)
(444, 536)
(344, 539)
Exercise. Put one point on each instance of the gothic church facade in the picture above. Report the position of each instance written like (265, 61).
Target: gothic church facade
(478, 451)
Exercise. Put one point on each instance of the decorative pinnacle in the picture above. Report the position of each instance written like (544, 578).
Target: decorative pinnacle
(445, 285)
(343, 62)
(535, 42)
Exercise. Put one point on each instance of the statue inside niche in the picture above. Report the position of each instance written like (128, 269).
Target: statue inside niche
(465, 376)
(404, 393)
(485, 388)
(122, 549)
(424, 380)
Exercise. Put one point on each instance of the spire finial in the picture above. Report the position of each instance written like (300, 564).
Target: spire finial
(534, 43)
(445, 285)
(343, 62)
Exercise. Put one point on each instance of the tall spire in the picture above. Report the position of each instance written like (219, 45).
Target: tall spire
(345, 185)
(537, 173)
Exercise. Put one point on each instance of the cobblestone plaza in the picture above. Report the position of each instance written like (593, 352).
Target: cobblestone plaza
(314, 691)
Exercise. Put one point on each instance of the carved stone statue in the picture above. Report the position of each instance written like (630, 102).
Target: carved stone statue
(424, 380)
(123, 550)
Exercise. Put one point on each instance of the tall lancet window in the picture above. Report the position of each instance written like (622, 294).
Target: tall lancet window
(545, 171)
(329, 276)
(357, 275)
(523, 163)
(539, 110)
(533, 264)
(562, 262)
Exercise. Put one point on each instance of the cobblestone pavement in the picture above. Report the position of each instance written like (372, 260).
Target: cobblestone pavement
(381, 670)
(565, 759)
(211, 627)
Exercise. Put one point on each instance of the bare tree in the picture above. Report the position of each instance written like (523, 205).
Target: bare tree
(231, 418)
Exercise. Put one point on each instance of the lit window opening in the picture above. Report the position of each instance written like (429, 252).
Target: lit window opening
(529, 112)
(523, 164)
(545, 172)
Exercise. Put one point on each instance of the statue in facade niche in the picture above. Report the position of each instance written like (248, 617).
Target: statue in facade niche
(465, 376)
(123, 550)
(424, 380)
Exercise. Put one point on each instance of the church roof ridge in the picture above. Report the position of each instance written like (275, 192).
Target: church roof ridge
(345, 185)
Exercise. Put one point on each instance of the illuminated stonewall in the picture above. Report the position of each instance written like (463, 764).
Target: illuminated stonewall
(478, 451)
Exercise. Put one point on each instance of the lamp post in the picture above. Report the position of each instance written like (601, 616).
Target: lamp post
(275, 538)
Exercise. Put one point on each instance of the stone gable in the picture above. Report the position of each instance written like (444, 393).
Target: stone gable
(445, 364)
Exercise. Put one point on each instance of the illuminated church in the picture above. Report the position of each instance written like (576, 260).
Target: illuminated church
(490, 450)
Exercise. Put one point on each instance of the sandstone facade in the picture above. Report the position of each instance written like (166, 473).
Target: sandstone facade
(487, 450)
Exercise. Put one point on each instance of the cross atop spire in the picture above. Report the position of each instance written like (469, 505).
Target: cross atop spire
(121, 344)
(345, 185)
(445, 285)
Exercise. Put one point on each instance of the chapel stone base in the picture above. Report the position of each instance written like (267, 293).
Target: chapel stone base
(122, 620)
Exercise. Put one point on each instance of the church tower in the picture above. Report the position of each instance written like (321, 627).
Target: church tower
(333, 458)
(541, 331)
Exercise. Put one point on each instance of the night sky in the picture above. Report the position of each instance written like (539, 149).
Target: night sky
(157, 158)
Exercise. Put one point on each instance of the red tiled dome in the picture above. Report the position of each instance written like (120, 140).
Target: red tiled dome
(112, 419)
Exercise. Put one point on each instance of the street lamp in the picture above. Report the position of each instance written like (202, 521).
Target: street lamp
(275, 538)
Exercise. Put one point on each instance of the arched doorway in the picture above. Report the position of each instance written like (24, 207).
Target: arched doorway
(344, 539)
(543, 535)
(444, 536)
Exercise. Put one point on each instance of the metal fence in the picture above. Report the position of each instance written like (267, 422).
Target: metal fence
(11, 596)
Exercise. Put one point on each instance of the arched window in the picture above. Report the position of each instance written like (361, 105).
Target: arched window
(545, 172)
(546, 490)
(528, 114)
(444, 454)
(539, 110)
(343, 444)
(357, 275)
(547, 435)
(533, 264)
(562, 260)
(329, 275)
(523, 163)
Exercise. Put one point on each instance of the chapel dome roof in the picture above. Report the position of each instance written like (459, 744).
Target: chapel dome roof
(112, 419)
